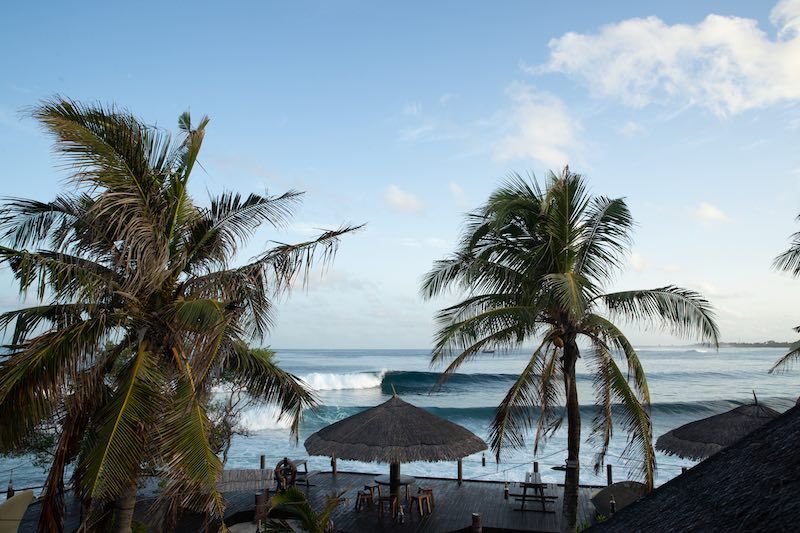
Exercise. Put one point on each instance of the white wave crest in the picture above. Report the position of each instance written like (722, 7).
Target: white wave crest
(356, 380)
(265, 417)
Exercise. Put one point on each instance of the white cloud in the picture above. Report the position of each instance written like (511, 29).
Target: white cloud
(706, 212)
(724, 63)
(417, 133)
(412, 109)
(631, 129)
(446, 97)
(636, 261)
(459, 196)
(402, 201)
(671, 268)
(544, 129)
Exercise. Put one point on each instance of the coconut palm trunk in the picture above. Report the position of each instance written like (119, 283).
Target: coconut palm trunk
(572, 474)
(533, 264)
(123, 509)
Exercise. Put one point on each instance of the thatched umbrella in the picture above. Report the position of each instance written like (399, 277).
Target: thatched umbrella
(703, 438)
(394, 432)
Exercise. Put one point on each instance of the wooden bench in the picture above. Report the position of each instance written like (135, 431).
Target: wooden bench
(533, 491)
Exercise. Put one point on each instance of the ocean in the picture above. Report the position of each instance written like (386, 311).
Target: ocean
(686, 384)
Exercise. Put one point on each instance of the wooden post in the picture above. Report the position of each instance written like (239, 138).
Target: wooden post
(683, 469)
(460, 472)
(536, 466)
(476, 523)
(333, 464)
(483, 459)
(263, 462)
(394, 480)
(609, 475)
(262, 500)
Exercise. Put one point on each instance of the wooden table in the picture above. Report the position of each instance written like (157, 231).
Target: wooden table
(536, 494)
(405, 481)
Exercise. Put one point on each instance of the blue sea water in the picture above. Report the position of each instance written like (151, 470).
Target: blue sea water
(686, 384)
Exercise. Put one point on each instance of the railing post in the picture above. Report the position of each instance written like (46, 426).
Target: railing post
(683, 469)
(460, 472)
(609, 475)
(536, 466)
(333, 464)
(262, 500)
(476, 523)
(263, 462)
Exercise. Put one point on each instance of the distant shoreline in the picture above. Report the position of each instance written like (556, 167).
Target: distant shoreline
(767, 344)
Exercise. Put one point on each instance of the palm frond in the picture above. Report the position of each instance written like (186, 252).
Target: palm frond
(789, 261)
(266, 382)
(120, 444)
(604, 330)
(548, 394)
(635, 417)
(681, 311)
(67, 277)
(514, 416)
(786, 361)
(193, 467)
(217, 234)
(572, 292)
(29, 320)
(36, 373)
(503, 327)
(606, 237)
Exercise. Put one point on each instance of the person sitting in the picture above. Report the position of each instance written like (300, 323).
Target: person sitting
(285, 474)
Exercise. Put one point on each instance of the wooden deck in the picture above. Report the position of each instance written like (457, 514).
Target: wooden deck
(452, 512)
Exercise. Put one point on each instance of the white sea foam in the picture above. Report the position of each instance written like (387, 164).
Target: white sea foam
(356, 380)
(265, 417)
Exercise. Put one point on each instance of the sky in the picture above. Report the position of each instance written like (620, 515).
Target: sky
(406, 115)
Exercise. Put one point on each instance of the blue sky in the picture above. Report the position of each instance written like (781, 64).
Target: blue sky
(406, 115)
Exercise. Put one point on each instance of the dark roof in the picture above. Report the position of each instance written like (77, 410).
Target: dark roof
(394, 431)
(752, 485)
(703, 438)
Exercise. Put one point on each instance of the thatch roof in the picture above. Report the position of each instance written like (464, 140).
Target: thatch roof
(703, 438)
(752, 485)
(623, 492)
(394, 431)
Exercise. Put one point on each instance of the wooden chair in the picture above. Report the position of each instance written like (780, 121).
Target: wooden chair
(363, 498)
(373, 488)
(429, 492)
(391, 504)
(421, 499)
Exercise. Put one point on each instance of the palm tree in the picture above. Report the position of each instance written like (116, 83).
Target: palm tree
(292, 504)
(789, 261)
(534, 264)
(140, 312)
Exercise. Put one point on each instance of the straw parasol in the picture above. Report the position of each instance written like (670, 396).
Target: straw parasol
(394, 432)
(703, 438)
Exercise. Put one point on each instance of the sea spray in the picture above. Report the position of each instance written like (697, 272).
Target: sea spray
(321, 381)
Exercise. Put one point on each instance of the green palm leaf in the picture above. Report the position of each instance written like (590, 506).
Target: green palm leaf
(115, 456)
(267, 382)
(682, 311)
